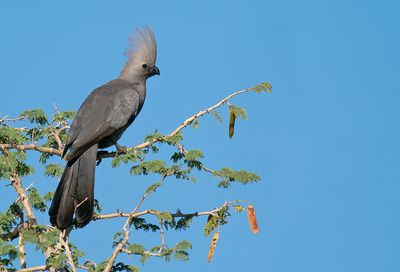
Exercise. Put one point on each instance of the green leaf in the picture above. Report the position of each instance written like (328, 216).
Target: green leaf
(238, 208)
(9, 135)
(181, 255)
(177, 156)
(53, 170)
(165, 216)
(183, 245)
(228, 176)
(151, 137)
(195, 123)
(136, 249)
(239, 112)
(153, 187)
(174, 139)
(262, 87)
(217, 116)
(126, 158)
(156, 166)
(36, 200)
(35, 116)
(193, 155)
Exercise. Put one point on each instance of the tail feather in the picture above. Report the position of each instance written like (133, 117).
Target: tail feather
(75, 192)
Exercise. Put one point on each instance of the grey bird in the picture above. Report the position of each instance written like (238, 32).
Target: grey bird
(99, 123)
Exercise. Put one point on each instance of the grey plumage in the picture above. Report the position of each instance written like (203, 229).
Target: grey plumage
(99, 123)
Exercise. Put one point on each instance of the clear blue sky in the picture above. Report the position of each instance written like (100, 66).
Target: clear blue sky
(325, 142)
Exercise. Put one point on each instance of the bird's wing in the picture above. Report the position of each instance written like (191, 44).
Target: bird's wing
(107, 109)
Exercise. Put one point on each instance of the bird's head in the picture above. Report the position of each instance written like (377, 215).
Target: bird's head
(142, 56)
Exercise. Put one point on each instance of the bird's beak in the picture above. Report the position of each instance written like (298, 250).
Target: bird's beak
(155, 71)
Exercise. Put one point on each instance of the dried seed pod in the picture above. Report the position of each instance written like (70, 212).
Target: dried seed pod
(251, 216)
(212, 246)
(232, 119)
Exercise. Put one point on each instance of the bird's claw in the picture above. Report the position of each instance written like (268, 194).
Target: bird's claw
(121, 149)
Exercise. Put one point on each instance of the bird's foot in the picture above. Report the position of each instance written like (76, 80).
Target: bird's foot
(121, 149)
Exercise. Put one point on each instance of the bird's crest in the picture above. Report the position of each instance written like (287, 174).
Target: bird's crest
(142, 49)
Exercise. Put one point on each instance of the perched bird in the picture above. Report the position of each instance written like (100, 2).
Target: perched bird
(99, 123)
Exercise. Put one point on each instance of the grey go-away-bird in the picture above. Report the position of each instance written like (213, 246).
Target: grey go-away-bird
(99, 123)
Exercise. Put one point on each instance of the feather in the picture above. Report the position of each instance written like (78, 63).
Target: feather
(142, 49)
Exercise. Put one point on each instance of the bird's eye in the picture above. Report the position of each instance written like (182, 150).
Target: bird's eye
(144, 65)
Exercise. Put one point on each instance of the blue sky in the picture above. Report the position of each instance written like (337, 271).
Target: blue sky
(325, 142)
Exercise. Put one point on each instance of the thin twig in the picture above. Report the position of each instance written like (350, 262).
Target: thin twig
(126, 230)
(63, 240)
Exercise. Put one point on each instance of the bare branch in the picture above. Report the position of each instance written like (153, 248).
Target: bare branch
(23, 197)
(35, 268)
(21, 248)
(41, 149)
(63, 240)
(174, 215)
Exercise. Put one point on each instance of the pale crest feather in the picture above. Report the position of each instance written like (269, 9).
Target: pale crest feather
(142, 49)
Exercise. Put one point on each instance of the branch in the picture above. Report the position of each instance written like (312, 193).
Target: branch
(23, 197)
(21, 248)
(175, 215)
(42, 149)
(63, 240)
(35, 268)
(123, 243)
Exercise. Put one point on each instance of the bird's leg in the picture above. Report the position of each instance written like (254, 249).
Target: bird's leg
(121, 149)
(99, 158)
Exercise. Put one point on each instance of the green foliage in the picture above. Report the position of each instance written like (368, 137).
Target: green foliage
(141, 224)
(64, 116)
(144, 168)
(53, 170)
(9, 135)
(41, 237)
(164, 216)
(124, 267)
(35, 116)
(14, 162)
(37, 202)
(228, 176)
(238, 208)
(191, 159)
(8, 253)
(174, 139)
(153, 187)
(262, 87)
(136, 249)
(183, 245)
(216, 116)
(126, 158)
(239, 112)
(151, 137)
(41, 131)
(9, 218)
(216, 220)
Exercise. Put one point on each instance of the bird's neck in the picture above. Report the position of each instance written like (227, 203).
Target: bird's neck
(140, 88)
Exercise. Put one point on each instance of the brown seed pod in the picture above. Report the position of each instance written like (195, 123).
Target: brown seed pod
(232, 118)
(212, 246)
(251, 216)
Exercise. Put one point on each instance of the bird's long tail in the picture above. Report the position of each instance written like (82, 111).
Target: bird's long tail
(75, 192)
